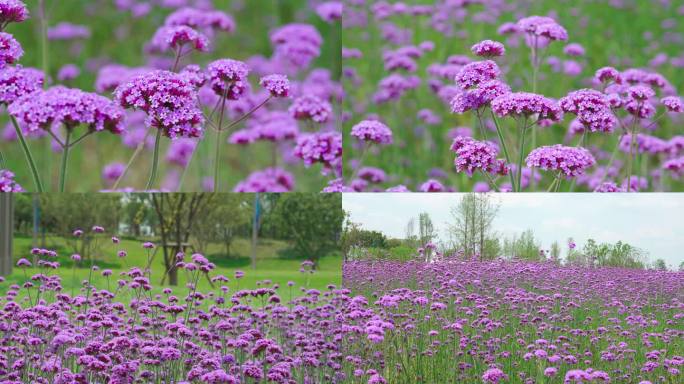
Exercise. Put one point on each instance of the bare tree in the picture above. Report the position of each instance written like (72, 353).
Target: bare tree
(425, 228)
(411, 232)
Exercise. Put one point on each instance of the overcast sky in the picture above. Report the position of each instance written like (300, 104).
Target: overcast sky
(651, 221)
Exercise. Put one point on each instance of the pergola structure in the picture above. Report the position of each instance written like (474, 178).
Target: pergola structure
(6, 232)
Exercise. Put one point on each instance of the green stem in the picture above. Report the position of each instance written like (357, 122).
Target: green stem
(503, 147)
(155, 161)
(44, 42)
(2, 161)
(522, 155)
(65, 160)
(29, 156)
(217, 156)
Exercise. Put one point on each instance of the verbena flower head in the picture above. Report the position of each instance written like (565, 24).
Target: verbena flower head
(18, 81)
(476, 98)
(297, 44)
(526, 104)
(570, 161)
(473, 155)
(337, 186)
(542, 26)
(201, 19)
(488, 48)
(592, 109)
(321, 147)
(608, 187)
(7, 183)
(432, 185)
(112, 172)
(10, 50)
(176, 37)
(494, 375)
(68, 31)
(70, 107)
(276, 85)
(372, 131)
(12, 11)
(330, 11)
(475, 73)
(268, 180)
(311, 107)
(644, 144)
(607, 75)
(673, 104)
(180, 151)
(228, 77)
(169, 101)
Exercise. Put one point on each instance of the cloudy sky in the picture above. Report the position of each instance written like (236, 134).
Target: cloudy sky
(653, 222)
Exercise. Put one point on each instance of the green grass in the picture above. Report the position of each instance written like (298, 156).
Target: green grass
(609, 33)
(254, 21)
(270, 265)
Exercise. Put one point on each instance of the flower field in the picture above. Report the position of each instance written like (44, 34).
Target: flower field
(188, 95)
(456, 321)
(513, 96)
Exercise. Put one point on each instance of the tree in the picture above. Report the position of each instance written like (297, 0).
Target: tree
(411, 232)
(555, 253)
(312, 222)
(177, 213)
(224, 217)
(426, 231)
(471, 228)
(63, 213)
(660, 265)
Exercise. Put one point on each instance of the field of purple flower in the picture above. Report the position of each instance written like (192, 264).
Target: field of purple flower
(119, 328)
(513, 95)
(189, 95)
(456, 321)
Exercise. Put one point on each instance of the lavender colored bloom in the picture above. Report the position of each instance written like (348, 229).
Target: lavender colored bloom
(268, 180)
(323, 147)
(372, 175)
(432, 185)
(476, 98)
(673, 104)
(17, 81)
(473, 74)
(180, 151)
(473, 155)
(607, 75)
(573, 49)
(644, 144)
(608, 186)
(276, 85)
(372, 131)
(68, 31)
(494, 375)
(201, 19)
(7, 183)
(228, 77)
(542, 26)
(10, 50)
(297, 44)
(337, 186)
(397, 189)
(23, 263)
(592, 109)
(311, 107)
(109, 77)
(169, 101)
(12, 11)
(526, 104)
(330, 11)
(488, 48)
(71, 107)
(571, 161)
(112, 172)
(176, 37)
(640, 92)
(68, 72)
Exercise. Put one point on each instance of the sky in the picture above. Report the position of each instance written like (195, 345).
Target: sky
(651, 221)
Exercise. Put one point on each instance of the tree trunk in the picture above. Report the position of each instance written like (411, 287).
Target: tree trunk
(173, 276)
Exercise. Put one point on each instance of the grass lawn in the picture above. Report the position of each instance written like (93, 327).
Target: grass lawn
(274, 262)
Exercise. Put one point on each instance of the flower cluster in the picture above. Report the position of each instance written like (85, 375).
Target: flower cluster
(268, 180)
(322, 147)
(372, 131)
(570, 161)
(297, 44)
(228, 77)
(472, 155)
(176, 37)
(592, 109)
(169, 101)
(12, 11)
(10, 50)
(201, 19)
(18, 81)
(70, 107)
(526, 104)
(7, 183)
